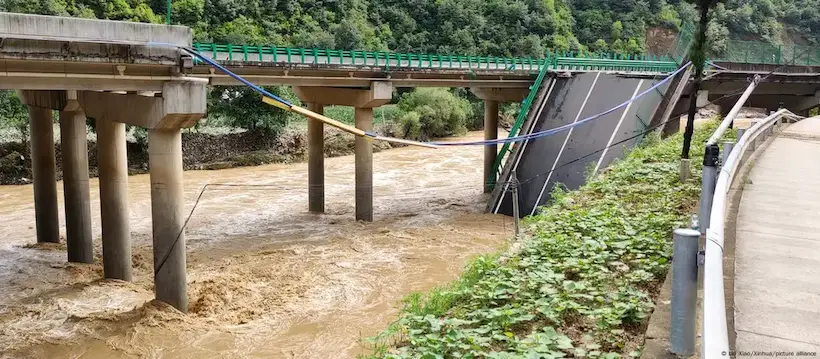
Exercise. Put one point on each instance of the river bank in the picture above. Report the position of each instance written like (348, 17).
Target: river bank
(265, 278)
(201, 151)
(581, 282)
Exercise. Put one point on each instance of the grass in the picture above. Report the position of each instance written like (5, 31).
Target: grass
(582, 283)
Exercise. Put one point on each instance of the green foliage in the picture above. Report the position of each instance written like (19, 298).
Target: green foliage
(433, 112)
(600, 46)
(580, 285)
(381, 114)
(669, 18)
(617, 30)
(241, 107)
(13, 113)
(241, 30)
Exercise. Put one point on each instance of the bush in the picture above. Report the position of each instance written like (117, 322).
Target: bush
(241, 107)
(346, 114)
(433, 112)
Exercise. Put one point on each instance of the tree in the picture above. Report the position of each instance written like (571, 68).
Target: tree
(241, 30)
(617, 30)
(600, 46)
(14, 113)
(187, 12)
(243, 108)
(698, 57)
(433, 112)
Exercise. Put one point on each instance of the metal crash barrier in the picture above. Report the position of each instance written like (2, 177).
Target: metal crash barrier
(718, 176)
(715, 330)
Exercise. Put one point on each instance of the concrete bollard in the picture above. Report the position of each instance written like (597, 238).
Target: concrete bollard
(684, 292)
(707, 192)
(727, 150)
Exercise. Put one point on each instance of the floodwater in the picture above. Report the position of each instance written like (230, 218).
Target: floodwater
(266, 279)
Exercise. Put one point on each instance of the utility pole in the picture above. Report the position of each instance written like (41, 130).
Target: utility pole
(698, 57)
(168, 12)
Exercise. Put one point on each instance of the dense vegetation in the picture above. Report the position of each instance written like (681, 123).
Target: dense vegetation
(486, 27)
(582, 283)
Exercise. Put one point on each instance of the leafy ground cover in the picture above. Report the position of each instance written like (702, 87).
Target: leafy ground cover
(582, 282)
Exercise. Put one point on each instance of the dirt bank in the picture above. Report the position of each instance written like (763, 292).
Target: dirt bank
(200, 151)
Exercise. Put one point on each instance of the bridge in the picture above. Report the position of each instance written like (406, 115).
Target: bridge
(153, 76)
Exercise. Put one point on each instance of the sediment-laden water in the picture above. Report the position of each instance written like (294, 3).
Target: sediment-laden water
(265, 278)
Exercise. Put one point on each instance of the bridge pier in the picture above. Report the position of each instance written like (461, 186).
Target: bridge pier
(112, 159)
(364, 165)
(182, 104)
(490, 151)
(363, 101)
(74, 144)
(316, 161)
(492, 97)
(74, 148)
(165, 165)
(45, 176)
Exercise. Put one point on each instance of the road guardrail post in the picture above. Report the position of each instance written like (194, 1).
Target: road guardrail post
(707, 192)
(727, 149)
(753, 144)
(684, 291)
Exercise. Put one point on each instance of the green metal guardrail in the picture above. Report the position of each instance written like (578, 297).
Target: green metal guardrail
(754, 52)
(519, 121)
(556, 61)
(561, 61)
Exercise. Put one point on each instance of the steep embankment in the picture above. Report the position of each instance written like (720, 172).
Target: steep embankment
(582, 282)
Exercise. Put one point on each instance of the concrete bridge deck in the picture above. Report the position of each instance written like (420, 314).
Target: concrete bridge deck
(777, 268)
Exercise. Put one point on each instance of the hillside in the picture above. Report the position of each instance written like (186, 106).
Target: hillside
(488, 27)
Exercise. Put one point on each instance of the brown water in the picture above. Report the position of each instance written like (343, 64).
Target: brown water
(265, 278)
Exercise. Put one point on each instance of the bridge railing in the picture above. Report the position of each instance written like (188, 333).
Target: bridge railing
(569, 61)
(755, 52)
(715, 337)
(516, 127)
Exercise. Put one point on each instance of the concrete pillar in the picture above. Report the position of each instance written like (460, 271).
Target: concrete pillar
(112, 161)
(490, 133)
(45, 176)
(364, 166)
(165, 165)
(363, 100)
(316, 161)
(75, 187)
(703, 98)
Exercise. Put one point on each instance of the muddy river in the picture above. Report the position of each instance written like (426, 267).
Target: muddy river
(266, 279)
